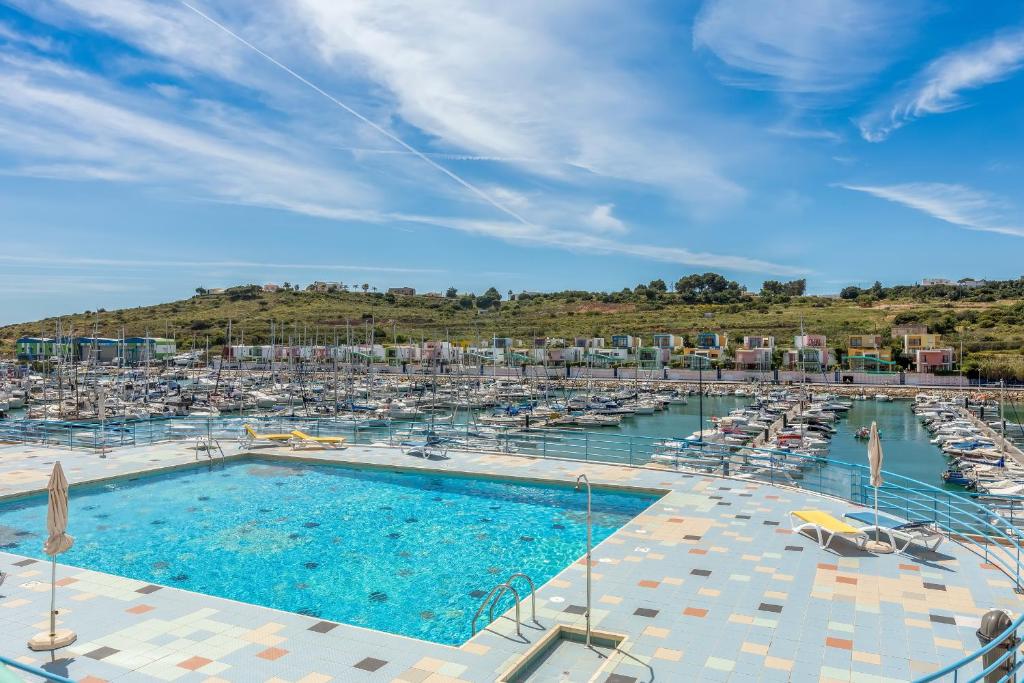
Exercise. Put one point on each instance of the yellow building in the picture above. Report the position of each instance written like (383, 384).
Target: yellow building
(920, 342)
(865, 351)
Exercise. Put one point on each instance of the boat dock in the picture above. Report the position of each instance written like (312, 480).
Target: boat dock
(1007, 446)
(761, 439)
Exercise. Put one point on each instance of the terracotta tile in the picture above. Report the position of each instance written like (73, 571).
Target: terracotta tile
(698, 551)
(91, 679)
(193, 663)
(846, 579)
(695, 612)
(840, 643)
(66, 581)
(911, 567)
(272, 653)
(140, 609)
(647, 583)
(828, 567)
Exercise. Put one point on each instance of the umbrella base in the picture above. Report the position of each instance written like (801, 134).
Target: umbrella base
(878, 547)
(44, 642)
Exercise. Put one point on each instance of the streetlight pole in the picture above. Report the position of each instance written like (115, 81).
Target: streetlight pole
(583, 478)
(700, 401)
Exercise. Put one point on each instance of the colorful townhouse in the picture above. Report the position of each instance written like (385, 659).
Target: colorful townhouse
(865, 353)
(809, 353)
(755, 354)
(709, 348)
(927, 354)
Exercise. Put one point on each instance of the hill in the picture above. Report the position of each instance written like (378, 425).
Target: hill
(992, 331)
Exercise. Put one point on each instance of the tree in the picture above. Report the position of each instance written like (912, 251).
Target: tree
(287, 285)
(451, 293)
(849, 293)
(490, 298)
(202, 290)
(709, 288)
(511, 295)
(657, 285)
(773, 288)
(366, 286)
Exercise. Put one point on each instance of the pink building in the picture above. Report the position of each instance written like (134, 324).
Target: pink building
(930, 360)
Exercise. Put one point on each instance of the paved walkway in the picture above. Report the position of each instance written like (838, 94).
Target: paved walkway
(707, 584)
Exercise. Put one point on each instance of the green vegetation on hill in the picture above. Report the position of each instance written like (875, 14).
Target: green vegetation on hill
(992, 331)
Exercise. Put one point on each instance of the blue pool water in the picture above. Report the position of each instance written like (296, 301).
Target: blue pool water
(394, 551)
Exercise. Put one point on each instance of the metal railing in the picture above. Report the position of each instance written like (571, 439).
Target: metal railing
(990, 532)
(34, 670)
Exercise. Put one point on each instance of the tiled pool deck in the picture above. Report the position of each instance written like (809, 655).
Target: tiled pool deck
(708, 584)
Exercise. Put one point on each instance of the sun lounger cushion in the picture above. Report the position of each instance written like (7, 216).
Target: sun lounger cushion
(884, 521)
(270, 437)
(321, 439)
(825, 521)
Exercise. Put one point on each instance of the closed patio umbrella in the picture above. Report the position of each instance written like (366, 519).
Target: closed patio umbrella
(875, 464)
(57, 542)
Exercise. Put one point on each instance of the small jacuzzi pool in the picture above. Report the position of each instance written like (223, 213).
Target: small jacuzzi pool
(397, 551)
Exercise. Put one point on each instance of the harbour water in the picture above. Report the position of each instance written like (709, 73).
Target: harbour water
(906, 443)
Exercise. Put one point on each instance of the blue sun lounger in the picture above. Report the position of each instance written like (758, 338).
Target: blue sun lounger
(901, 533)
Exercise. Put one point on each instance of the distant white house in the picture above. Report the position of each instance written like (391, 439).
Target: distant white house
(320, 286)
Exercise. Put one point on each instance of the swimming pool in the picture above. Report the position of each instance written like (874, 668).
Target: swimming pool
(397, 551)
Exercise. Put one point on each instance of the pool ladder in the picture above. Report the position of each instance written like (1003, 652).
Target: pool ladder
(496, 594)
(208, 444)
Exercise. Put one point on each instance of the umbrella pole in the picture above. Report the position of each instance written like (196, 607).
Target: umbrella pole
(877, 531)
(53, 597)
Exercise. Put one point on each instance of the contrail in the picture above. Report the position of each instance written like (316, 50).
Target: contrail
(461, 181)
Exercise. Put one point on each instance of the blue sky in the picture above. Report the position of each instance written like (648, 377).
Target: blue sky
(148, 147)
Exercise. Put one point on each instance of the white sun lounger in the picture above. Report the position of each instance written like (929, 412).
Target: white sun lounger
(823, 524)
(901, 534)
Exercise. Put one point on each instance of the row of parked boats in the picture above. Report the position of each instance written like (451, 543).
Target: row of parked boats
(978, 459)
(785, 422)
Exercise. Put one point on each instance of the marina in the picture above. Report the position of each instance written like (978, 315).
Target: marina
(573, 342)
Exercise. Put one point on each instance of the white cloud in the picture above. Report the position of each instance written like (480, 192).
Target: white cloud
(167, 30)
(479, 81)
(515, 81)
(955, 204)
(938, 88)
(806, 47)
(806, 133)
(569, 240)
(128, 263)
(41, 43)
(602, 220)
(62, 123)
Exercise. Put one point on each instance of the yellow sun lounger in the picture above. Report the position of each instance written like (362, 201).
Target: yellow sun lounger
(823, 523)
(252, 435)
(303, 438)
